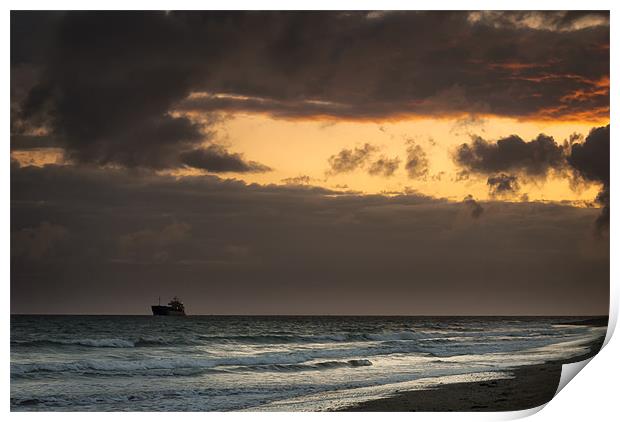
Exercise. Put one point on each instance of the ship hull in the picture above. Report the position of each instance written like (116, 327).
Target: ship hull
(166, 311)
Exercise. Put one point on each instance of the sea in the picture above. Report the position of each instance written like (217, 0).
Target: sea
(271, 363)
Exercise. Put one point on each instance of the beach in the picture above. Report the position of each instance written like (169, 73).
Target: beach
(531, 386)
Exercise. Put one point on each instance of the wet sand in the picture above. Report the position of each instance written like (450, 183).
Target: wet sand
(531, 386)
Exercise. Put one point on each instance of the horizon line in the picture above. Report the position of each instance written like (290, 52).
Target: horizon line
(333, 315)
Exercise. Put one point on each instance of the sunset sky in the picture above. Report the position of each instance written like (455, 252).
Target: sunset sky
(310, 163)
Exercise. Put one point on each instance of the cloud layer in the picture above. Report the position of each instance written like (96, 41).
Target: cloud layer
(228, 247)
(115, 87)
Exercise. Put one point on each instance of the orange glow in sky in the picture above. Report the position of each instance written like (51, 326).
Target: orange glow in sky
(297, 151)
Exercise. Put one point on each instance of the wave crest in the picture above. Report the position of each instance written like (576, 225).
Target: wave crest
(86, 342)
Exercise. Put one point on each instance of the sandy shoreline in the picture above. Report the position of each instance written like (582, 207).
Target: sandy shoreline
(531, 386)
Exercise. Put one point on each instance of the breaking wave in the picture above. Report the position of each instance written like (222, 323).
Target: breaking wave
(87, 342)
(183, 366)
(330, 338)
(205, 339)
(103, 342)
(352, 363)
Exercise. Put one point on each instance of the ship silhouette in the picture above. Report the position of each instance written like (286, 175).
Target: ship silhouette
(175, 308)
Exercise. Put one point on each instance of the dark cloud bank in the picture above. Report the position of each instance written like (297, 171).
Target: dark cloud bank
(105, 84)
(95, 241)
(507, 159)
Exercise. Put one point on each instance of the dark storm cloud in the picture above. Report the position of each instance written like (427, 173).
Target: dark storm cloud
(384, 166)
(591, 158)
(587, 159)
(228, 247)
(473, 205)
(105, 83)
(417, 161)
(591, 161)
(486, 71)
(105, 96)
(348, 160)
(215, 158)
(503, 184)
(154, 143)
(511, 154)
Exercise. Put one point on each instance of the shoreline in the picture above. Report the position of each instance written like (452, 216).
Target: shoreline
(531, 386)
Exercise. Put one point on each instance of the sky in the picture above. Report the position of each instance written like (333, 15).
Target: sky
(384, 163)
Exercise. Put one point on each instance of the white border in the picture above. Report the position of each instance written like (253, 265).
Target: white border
(589, 397)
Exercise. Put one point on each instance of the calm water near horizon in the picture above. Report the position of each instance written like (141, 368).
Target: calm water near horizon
(221, 363)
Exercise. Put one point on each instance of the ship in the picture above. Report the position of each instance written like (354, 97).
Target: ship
(175, 308)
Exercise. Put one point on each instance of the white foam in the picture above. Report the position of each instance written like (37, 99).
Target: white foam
(104, 342)
(88, 342)
(126, 366)
(334, 400)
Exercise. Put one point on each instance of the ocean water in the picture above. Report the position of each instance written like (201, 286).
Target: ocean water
(209, 363)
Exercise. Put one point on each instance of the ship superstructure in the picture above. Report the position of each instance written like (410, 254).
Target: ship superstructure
(175, 308)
